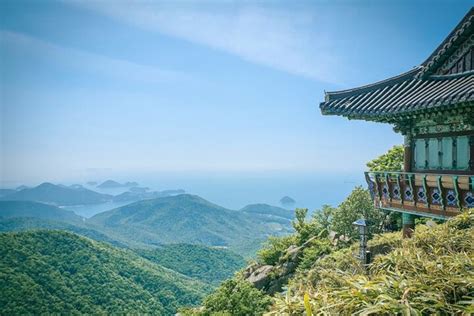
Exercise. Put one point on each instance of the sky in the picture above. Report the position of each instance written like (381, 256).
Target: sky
(124, 87)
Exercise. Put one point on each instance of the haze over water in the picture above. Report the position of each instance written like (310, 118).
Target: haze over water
(235, 191)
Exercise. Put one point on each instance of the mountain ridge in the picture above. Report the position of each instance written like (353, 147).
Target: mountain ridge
(188, 218)
(58, 195)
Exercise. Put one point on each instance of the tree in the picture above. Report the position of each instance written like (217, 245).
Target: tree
(392, 160)
(274, 247)
(317, 226)
(323, 218)
(236, 297)
(357, 205)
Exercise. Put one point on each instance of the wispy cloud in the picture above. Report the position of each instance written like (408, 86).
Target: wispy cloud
(83, 61)
(283, 40)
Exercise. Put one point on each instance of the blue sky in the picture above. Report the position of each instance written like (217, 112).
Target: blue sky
(188, 86)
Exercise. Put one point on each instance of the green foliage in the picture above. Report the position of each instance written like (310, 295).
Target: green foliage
(274, 248)
(188, 219)
(9, 209)
(55, 272)
(390, 161)
(206, 264)
(430, 274)
(316, 249)
(323, 219)
(357, 205)
(17, 224)
(300, 218)
(318, 226)
(237, 298)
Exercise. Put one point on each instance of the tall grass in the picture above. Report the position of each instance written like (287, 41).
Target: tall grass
(430, 274)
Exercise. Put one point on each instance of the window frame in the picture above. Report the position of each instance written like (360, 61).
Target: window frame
(440, 170)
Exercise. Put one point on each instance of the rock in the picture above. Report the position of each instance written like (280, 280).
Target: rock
(270, 278)
(260, 278)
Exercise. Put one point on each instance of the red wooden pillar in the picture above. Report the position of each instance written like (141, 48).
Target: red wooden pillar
(408, 220)
(407, 157)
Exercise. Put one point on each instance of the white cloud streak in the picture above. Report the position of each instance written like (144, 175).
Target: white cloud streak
(83, 61)
(286, 41)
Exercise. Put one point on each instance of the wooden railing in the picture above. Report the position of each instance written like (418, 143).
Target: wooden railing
(427, 194)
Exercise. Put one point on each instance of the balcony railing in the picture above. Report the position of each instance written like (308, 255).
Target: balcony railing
(426, 194)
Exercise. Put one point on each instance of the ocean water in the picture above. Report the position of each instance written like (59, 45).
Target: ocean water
(88, 211)
(234, 191)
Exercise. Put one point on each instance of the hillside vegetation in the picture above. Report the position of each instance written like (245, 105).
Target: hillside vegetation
(188, 219)
(268, 210)
(10, 209)
(18, 224)
(56, 272)
(432, 273)
(211, 265)
(315, 270)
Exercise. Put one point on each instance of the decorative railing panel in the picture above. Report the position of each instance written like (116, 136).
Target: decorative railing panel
(428, 194)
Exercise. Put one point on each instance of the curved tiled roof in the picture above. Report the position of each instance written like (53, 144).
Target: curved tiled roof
(414, 91)
(401, 95)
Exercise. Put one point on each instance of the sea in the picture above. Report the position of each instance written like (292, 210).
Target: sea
(234, 191)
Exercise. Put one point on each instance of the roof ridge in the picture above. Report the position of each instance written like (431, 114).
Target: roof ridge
(466, 23)
(451, 76)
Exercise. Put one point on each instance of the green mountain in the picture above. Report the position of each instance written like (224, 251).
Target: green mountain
(9, 209)
(207, 264)
(18, 224)
(27, 215)
(187, 219)
(265, 209)
(204, 263)
(58, 195)
(55, 272)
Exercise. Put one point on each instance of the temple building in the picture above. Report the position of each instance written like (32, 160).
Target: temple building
(432, 106)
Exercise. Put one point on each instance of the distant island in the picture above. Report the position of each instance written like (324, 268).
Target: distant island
(111, 184)
(139, 189)
(91, 183)
(76, 186)
(59, 195)
(287, 201)
(139, 193)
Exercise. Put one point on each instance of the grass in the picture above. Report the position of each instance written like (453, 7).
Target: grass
(431, 273)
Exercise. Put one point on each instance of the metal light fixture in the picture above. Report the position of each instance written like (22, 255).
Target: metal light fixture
(361, 225)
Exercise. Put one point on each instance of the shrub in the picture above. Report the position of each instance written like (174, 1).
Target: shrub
(432, 273)
(236, 297)
(274, 248)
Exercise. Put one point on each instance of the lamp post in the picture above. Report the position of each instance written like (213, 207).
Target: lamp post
(364, 255)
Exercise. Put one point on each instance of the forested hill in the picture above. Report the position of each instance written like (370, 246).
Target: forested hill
(204, 263)
(10, 209)
(269, 210)
(44, 272)
(188, 219)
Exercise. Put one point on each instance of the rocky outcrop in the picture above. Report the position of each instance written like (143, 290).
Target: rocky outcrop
(271, 278)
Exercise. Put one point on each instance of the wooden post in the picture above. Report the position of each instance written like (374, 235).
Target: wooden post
(408, 220)
(407, 157)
